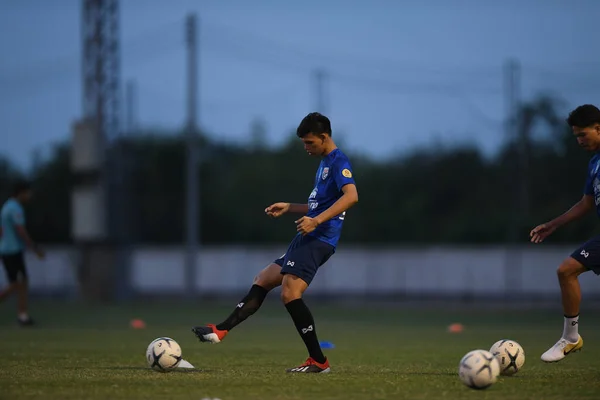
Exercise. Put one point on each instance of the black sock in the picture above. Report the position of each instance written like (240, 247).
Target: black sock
(248, 306)
(305, 325)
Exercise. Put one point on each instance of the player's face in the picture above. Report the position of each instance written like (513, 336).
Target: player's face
(25, 196)
(589, 137)
(314, 145)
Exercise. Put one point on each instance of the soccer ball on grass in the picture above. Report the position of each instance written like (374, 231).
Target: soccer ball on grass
(510, 356)
(163, 354)
(478, 369)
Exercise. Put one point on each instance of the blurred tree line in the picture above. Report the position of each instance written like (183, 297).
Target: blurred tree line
(435, 195)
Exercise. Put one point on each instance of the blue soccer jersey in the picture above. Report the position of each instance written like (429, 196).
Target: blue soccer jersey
(592, 182)
(11, 216)
(333, 174)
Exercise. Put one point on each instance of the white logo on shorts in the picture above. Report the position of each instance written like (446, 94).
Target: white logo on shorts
(290, 263)
(585, 253)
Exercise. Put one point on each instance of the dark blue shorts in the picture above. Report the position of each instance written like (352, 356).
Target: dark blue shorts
(304, 256)
(588, 254)
(14, 265)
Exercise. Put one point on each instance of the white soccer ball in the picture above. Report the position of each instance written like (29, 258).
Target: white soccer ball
(479, 369)
(163, 354)
(510, 355)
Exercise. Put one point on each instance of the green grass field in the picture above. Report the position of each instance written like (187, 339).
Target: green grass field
(382, 352)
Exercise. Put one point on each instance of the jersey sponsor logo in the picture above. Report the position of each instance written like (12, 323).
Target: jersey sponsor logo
(312, 204)
(325, 173)
(596, 187)
(346, 172)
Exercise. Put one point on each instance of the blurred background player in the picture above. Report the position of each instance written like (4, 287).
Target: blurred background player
(585, 123)
(14, 240)
(318, 234)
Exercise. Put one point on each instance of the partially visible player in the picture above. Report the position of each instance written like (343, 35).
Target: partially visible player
(318, 230)
(13, 243)
(585, 124)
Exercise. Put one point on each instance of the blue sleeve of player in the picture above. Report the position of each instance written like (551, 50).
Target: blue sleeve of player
(343, 175)
(589, 182)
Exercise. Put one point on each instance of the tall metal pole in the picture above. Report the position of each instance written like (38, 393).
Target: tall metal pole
(130, 104)
(513, 266)
(100, 233)
(192, 184)
(319, 77)
(519, 136)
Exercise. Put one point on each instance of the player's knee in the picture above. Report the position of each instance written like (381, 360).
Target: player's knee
(292, 288)
(269, 278)
(289, 294)
(263, 282)
(569, 269)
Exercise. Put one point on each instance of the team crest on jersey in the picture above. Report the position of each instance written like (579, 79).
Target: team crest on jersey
(325, 173)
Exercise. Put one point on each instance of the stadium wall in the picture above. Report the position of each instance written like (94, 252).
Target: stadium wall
(468, 272)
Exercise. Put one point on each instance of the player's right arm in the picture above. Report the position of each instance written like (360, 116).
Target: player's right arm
(581, 208)
(278, 209)
(298, 208)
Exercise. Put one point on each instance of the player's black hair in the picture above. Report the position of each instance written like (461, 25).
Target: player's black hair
(584, 116)
(20, 187)
(315, 123)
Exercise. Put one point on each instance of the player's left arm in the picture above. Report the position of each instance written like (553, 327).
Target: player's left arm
(348, 199)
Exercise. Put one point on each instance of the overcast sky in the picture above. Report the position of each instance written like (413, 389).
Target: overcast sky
(400, 73)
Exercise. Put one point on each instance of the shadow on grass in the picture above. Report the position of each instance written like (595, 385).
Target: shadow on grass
(429, 373)
(174, 371)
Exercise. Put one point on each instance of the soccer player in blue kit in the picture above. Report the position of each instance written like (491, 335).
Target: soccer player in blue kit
(14, 241)
(318, 230)
(585, 124)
